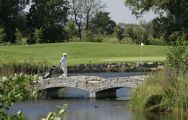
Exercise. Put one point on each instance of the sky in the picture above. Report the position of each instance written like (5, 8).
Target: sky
(122, 14)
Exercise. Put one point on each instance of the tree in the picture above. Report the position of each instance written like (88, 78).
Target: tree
(12, 16)
(83, 11)
(90, 9)
(119, 32)
(51, 15)
(103, 23)
(76, 7)
(173, 14)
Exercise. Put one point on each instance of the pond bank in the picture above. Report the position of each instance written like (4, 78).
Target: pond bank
(37, 68)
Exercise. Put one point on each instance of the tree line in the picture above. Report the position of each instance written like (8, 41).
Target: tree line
(49, 21)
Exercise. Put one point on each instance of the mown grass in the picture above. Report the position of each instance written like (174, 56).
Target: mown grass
(81, 52)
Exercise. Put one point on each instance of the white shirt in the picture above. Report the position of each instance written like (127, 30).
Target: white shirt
(63, 61)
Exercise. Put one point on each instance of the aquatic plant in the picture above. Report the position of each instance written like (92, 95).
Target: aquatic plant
(59, 115)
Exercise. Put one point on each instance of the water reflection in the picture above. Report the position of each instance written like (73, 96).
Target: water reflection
(89, 110)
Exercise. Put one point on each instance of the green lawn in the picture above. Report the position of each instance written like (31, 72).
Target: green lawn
(82, 52)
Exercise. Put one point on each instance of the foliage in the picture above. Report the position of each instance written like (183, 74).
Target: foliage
(102, 23)
(18, 88)
(92, 37)
(38, 35)
(177, 58)
(12, 17)
(83, 11)
(119, 32)
(156, 41)
(51, 16)
(165, 91)
(59, 115)
(19, 37)
(14, 89)
(2, 35)
(172, 15)
(70, 29)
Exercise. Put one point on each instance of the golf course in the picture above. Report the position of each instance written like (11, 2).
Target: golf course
(82, 53)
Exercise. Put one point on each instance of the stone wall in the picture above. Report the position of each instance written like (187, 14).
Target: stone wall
(116, 67)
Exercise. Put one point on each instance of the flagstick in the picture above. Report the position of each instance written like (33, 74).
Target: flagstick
(141, 52)
(141, 55)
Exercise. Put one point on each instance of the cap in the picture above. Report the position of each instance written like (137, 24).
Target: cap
(64, 54)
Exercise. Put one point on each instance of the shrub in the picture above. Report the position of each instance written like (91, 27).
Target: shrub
(14, 89)
(119, 32)
(2, 35)
(19, 37)
(177, 58)
(91, 37)
(156, 41)
(38, 35)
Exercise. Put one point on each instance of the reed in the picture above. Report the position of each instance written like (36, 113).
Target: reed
(164, 91)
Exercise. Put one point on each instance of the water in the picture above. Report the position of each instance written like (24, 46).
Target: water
(90, 109)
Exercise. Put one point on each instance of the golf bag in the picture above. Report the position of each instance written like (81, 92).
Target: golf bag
(49, 73)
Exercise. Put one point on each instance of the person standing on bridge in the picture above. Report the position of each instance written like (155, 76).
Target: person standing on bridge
(63, 63)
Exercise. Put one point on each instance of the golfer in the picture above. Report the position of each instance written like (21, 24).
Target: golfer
(63, 63)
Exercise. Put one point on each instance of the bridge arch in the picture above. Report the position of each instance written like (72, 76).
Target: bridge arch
(107, 93)
(63, 92)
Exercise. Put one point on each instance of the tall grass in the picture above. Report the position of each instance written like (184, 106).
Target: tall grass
(32, 67)
(165, 91)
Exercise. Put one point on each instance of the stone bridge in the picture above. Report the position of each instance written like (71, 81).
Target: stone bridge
(96, 86)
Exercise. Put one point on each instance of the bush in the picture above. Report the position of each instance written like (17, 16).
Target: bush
(19, 37)
(119, 32)
(156, 41)
(14, 89)
(2, 35)
(91, 37)
(177, 58)
(38, 35)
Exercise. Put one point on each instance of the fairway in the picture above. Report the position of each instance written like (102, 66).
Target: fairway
(82, 52)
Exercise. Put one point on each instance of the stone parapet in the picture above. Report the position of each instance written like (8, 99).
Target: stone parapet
(116, 67)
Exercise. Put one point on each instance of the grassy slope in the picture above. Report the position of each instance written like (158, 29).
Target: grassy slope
(82, 52)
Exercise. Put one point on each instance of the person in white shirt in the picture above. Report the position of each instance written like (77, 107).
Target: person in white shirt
(63, 63)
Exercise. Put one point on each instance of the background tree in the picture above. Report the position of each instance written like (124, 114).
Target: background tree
(76, 9)
(51, 15)
(12, 16)
(90, 9)
(102, 23)
(173, 14)
(83, 11)
(119, 32)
